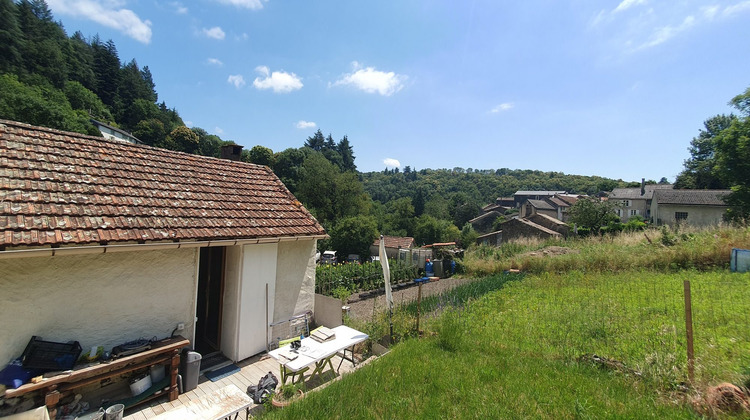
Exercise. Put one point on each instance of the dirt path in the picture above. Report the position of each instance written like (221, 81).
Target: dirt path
(364, 308)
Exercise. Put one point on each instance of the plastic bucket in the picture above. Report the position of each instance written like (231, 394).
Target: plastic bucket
(115, 412)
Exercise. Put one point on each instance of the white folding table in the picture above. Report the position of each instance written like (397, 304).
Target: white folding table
(317, 353)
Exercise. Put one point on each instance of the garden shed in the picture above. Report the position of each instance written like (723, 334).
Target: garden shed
(105, 242)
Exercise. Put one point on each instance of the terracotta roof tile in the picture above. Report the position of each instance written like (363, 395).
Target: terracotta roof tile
(60, 188)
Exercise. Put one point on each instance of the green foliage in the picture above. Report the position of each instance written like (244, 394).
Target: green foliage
(184, 139)
(468, 236)
(354, 235)
(429, 230)
(591, 213)
(261, 155)
(40, 105)
(700, 169)
(733, 158)
(83, 99)
(330, 278)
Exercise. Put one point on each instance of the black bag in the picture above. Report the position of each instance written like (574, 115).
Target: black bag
(265, 388)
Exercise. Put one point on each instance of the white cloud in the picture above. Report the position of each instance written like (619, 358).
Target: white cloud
(188, 123)
(278, 81)
(214, 62)
(373, 81)
(242, 37)
(106, 13)
(665, 33)
(215, 33)
(302, 124)
(179, 8)
(627, 4)
(218, 130)
(502, 107)
(391, 163)
(247, 4)
(709, 12)
(736, 8)
(237, 80)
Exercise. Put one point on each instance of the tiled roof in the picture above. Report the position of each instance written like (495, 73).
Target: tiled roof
(691, 197)
(59, 188)
(635, 193)
(396, 242)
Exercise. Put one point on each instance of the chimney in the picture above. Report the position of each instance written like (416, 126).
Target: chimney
(231, 152)
(643, 186)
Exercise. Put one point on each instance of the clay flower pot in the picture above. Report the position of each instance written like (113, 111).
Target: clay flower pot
(278, 399)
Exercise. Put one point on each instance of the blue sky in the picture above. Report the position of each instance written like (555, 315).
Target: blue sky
(610, 88)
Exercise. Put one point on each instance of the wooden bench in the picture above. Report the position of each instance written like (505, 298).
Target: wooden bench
(224, 403)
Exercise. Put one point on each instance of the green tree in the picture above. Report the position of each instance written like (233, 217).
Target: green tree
(700, 169)
(354, 235)
(106, 70)
(184, 139)
(86, 100)
(733, 158)
(79, 58)
(150, 131)
(592, 213)
(11, 38)
(468, 236)
(346, 151)
(400, 214)
(208, 144)
(316, 142)
(261, 155)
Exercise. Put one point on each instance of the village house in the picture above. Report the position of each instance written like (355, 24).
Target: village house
(555, 206)
(691, 207)
(629, 202)
(520, 197)
(105, 242)
(392, 245)
(517, 228)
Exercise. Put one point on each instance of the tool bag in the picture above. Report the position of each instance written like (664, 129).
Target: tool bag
(265, 388)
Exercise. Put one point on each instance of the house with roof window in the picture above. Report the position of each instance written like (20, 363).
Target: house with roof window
(105, 242)
(691, 207)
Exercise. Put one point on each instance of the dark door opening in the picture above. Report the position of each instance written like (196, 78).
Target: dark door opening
(210, 300)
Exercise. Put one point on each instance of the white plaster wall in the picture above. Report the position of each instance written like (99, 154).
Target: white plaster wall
(697, 215)
(295, 279)
(101, 299)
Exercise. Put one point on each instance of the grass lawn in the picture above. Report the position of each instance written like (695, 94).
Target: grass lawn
(514, 353)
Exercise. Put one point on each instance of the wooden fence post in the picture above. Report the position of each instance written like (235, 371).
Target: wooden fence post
(689, 331)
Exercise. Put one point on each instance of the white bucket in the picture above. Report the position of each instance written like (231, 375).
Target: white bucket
(115, 412)
(141, 384)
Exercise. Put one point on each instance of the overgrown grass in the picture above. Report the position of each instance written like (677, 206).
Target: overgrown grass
(664, 250)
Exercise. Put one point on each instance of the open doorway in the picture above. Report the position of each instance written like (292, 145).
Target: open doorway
(209, 300)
